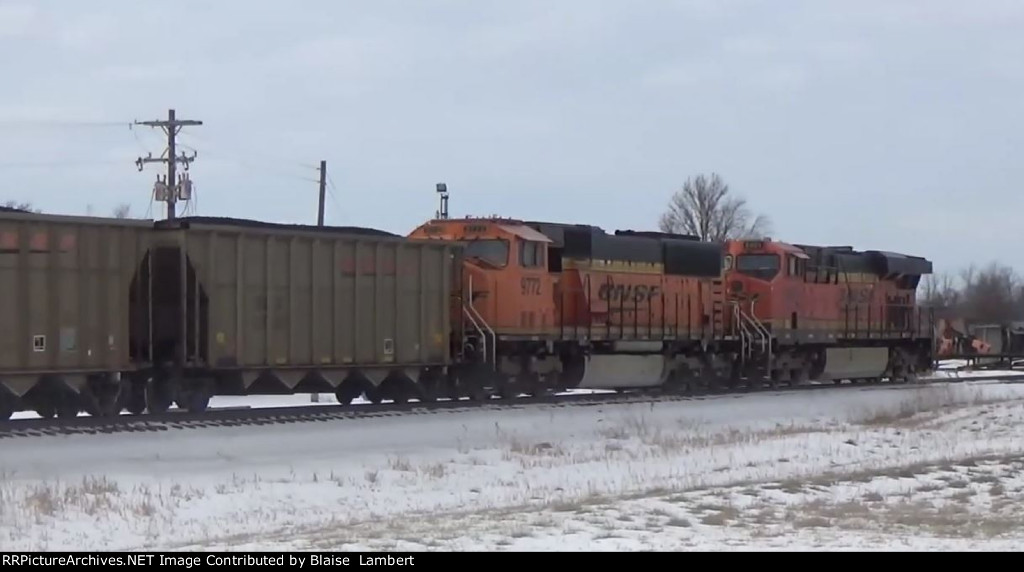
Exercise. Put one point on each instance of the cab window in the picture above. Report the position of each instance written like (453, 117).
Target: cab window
(531, 255)
(760, 266)
(491, 250)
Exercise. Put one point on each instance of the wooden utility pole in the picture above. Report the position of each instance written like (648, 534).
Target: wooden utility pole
(171, 190)
(315, 398)
(323, 191)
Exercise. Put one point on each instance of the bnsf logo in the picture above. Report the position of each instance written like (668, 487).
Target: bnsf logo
(627, 292)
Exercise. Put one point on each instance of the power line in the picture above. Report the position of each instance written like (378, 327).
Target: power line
(32, 123)
(170, 190)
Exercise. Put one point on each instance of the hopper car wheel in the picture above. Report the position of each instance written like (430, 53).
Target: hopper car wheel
(429, 387)
(373, 395)
(67, 405)
(7, 404)
(473, 389)
(158, 395)
(134, 397)
(428, 391)
(195, 400)
(397, 394)
(46, 410)
(346, 392)
(102, 399)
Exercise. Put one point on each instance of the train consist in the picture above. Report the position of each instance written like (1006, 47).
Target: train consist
(106, 315)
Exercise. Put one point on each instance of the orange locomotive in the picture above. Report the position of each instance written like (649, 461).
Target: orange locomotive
(827, 313)
(549, 307)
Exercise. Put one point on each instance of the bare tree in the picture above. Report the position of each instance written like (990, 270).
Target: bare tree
(21, 206)
(992, 295)
(704, 208)
(122, 210)
(940, 291)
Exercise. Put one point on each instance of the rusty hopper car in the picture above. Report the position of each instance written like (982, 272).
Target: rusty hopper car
(242, 307)
(64, 343)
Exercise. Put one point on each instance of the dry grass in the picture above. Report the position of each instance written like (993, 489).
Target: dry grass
(923, 405)
(95, 497)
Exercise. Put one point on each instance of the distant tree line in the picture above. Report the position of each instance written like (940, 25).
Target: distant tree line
(122, 210)
(990, 295)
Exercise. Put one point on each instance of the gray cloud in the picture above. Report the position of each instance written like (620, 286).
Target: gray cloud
(882, 124)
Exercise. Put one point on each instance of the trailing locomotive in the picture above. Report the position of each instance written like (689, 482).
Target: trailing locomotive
(827, 313)
(104, 315)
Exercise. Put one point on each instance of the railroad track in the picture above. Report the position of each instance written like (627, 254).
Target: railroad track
(236, 417)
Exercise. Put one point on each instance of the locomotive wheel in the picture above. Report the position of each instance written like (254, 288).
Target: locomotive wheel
(508, 389)
(799, 376)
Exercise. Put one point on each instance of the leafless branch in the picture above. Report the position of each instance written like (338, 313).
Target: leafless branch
(703, 208)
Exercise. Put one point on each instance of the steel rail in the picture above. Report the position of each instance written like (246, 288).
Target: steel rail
(257, 416)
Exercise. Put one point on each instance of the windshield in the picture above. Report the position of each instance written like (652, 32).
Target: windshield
(492, 250)
(761, 266)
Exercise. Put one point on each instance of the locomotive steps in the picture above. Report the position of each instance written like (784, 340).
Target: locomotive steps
(239, 417)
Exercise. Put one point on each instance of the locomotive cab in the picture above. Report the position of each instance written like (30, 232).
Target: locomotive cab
(507, 288)
(765, 279)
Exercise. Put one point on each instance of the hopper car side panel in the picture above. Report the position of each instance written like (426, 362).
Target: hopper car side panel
(66, 311)
(266, 310)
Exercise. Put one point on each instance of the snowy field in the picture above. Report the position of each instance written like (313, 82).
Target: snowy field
(908, 467)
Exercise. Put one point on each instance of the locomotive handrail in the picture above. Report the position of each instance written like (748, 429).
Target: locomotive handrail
(471, 311)
(766, 336)
(744, 332)
(748, 323)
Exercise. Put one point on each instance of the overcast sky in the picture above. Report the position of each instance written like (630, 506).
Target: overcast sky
(885, 124)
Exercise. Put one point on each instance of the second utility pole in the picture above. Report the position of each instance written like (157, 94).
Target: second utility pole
(323, 190)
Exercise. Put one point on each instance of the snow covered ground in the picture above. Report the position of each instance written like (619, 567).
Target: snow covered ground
(906, 467)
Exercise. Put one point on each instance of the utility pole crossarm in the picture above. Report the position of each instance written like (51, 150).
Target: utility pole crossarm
(171, 126)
